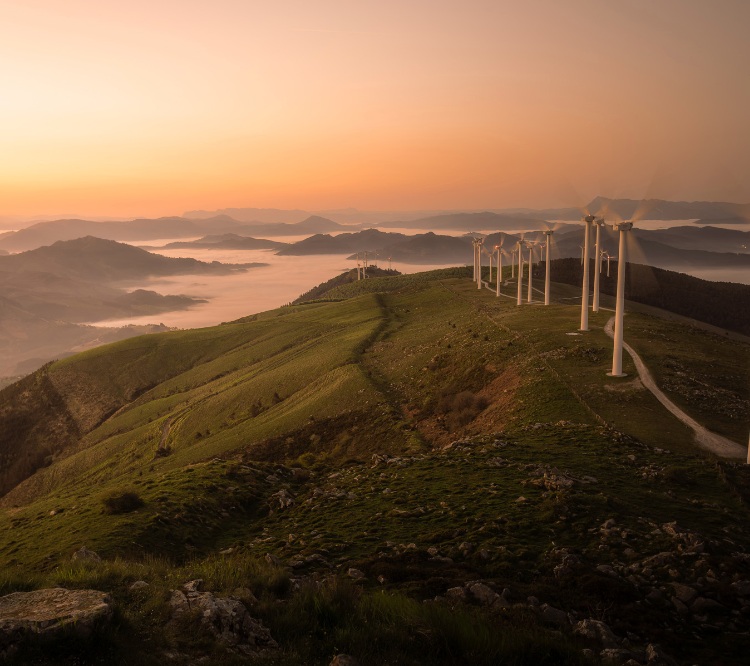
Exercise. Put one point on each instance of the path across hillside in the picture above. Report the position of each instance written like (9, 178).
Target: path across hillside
(706, 439)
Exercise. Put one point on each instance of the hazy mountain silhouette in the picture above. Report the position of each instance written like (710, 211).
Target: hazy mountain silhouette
(222, 242)
(369, 240)
(659, 209)
(644, 249)
(47, 292)
(473, 222)
(92, 258)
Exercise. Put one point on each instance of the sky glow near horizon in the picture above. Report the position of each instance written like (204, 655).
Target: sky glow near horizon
(154, 108)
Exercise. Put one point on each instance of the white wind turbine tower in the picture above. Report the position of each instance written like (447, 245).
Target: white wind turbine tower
(519, 298)
(623, 228)
(585, 287)
(531, 261)
(474, 250)
(598, 262)
(498, 248)
(548, 234)
(480, 245)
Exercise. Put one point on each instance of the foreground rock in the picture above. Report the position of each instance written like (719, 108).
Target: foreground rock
(225, 618)
(50, 613)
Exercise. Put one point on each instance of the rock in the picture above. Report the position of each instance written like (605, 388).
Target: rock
(597, 630)
(226, 618)
(139, 585)
(684, 593)
(741, 588)
(608, 524)
(85, 555)
(355, 573)
(458, 593)
(483, 594)
(607, 569)
(657, 657)
(49, 613)
(281, 500)
(679, 606)
(554, 615)
(272, 559)
(245, 595)
(614, 655)
(532, 601)
(701, 606)
(654, 596)
(344, 660)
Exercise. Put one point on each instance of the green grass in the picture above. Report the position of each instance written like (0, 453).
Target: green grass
(472, 397)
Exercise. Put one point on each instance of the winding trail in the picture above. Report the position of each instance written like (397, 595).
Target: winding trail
(706, 439)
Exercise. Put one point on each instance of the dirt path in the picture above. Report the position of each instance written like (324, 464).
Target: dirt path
(706, 439)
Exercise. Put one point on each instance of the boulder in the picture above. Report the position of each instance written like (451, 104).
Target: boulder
(86, 555)
(597, 630)
(139, 585)
(344, 660)
(483, 594)
(227, 619)
(49, 613)
(554, 615)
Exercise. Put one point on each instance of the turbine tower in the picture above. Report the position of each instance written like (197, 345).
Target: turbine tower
(519, 298)
(623, 228)
(548, 234)
(480, 243)
(585, 289)
(598, 262)
(531, 260)
(499, 270)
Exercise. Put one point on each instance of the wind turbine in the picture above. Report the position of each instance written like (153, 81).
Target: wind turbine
(531, 261)
(499, 267)
(548, 234)
(599, 222)
(480, 243)
(519, 254)
(623, 228)
(585, 287)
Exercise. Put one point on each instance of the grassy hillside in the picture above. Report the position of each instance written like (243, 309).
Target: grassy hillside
(419, 431)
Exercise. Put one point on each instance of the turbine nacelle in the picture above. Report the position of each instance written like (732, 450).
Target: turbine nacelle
(589, 218)
(622, 226)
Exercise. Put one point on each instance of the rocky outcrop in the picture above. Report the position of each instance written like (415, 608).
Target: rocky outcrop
(226, 618)
(50, 613)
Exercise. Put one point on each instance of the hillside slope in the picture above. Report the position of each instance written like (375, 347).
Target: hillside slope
(421, 434)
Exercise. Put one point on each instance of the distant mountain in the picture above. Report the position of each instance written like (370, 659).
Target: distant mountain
(46, 233)
(255, 215)
(644, 249)
(659, 209)
(484, 221)
(369, 240)
(222, 242)
(429, 248)
(48, 292)
(101, 260)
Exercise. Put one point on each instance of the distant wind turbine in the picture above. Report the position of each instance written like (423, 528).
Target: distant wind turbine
(585, 287)
(598, 265)
(519, 253)
(548, 234)
(623, 228)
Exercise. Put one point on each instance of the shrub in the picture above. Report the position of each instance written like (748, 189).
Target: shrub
(123, 501)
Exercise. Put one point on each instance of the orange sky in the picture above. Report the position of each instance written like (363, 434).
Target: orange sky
(160, 106)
